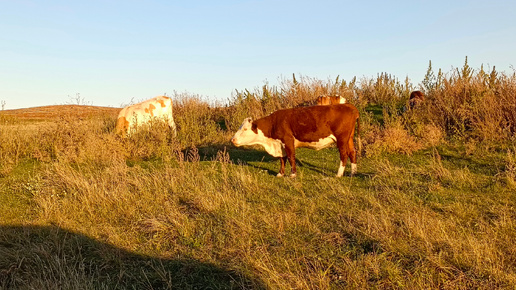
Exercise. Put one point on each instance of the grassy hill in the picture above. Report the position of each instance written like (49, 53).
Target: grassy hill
(83, 208)
(57, 111)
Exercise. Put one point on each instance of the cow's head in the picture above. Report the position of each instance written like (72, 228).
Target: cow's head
(330, 100)
(323, 100)
(247, 134)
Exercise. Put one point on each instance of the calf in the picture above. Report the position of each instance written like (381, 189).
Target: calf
(314, 127)
(330, 100)
(133, 116)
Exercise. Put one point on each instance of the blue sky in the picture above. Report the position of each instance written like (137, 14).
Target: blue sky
(112, 52)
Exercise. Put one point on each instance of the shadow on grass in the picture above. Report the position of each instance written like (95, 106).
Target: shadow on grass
(247, 156)
(259, 159)
(48, 257)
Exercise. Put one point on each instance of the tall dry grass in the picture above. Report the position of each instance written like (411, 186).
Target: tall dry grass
(463, 104)
(473, 104)
(298, 91)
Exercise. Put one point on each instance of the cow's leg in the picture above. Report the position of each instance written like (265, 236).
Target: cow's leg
(290, 149)
(283, 160)
(340, 172)
(343, 156)
(352, 153)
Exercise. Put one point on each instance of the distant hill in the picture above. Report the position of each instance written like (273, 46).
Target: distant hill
(53, 112)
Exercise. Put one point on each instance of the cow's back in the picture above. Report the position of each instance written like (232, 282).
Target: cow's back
(330, 100)
(140, 113)
(311, 123)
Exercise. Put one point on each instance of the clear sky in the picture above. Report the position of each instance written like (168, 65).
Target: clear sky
(112, 52)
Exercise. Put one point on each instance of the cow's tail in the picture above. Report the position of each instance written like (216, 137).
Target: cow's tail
(359, 141)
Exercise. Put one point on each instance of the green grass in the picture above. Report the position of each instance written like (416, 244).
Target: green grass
(16, 198)
(225, 221)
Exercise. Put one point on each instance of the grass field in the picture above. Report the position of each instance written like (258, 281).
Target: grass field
(81, 208)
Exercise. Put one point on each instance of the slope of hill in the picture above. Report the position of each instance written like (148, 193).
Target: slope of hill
(53, 112)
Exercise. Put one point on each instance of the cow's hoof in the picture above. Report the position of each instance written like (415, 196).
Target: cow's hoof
(293, 175)
(279, 175)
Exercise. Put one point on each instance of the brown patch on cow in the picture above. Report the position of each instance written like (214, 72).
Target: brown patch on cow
(254, 127)
(162, 103)
(150, 110)
(122, 125)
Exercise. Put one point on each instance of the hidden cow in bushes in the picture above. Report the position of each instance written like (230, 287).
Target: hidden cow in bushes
(330, 100)
(134, 116)
(315, 127)
(415, 99)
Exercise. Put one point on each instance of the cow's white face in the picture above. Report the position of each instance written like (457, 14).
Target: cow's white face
(245, 134)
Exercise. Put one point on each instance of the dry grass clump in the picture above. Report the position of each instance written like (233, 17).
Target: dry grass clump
(154, 140)
(509, 173)
(394, 138)
(469, 104)
(386, 90)
(430, 135)
(12, 148)
(196, 121)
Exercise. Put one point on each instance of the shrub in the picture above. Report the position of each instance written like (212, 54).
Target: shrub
(469, 104)
(195, 121)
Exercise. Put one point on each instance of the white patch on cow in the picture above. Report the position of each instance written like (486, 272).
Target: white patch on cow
(341, 169)
(274, 147)
(317, 145)
(246, 136)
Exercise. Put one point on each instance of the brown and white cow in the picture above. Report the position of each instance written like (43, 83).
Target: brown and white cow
(416, 98)
(315, 127)
(330, 100)
(133, 116)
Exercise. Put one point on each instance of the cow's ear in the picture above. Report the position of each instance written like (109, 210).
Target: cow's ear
(254, 127)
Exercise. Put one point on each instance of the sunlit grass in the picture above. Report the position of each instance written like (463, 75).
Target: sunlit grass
(81, 208)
